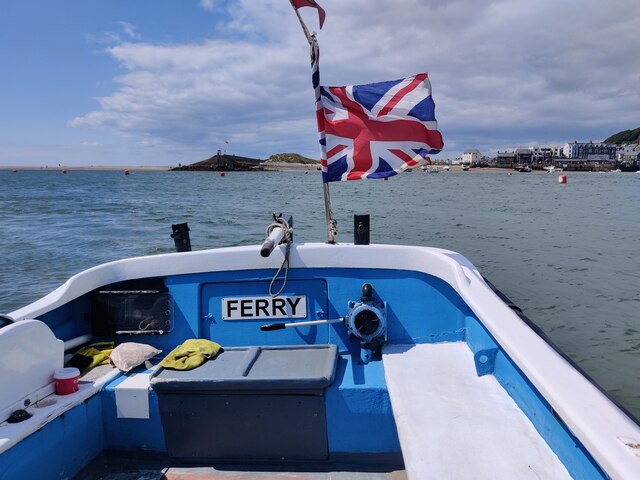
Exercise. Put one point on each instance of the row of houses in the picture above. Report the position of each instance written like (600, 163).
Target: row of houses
(573, 153)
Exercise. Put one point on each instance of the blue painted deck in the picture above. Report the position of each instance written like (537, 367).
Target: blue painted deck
(420, 309)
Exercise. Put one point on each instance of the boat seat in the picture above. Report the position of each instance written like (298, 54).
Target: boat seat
(275, 390)
(255, 368)
(454, 424)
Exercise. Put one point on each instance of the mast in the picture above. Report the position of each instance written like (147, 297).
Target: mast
(332, 225)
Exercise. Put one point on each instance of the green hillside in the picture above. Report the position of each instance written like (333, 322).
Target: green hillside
(626, 136)
(291, 158)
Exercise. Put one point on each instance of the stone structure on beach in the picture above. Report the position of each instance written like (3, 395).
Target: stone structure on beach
(221, 162)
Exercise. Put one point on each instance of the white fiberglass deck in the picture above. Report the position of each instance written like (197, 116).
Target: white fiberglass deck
(454, 424)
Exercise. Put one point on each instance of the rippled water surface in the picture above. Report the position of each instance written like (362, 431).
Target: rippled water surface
(568, 255)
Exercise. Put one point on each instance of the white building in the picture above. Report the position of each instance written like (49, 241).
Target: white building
(471, 156)
(545, 153)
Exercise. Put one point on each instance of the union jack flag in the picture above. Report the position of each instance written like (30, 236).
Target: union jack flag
(375, 130)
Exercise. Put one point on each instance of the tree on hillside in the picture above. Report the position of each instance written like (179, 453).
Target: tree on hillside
(626, 136)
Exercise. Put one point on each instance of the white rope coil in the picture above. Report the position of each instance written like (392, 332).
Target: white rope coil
(287, 238)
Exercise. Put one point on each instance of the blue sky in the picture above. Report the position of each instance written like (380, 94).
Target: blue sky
(161, 82)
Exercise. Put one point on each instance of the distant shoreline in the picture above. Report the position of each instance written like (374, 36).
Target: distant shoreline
(272, 167)
(92, 167)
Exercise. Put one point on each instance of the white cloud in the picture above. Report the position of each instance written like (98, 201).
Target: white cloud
(208, 4)
(129, 30)
(113, 38)
(104, 38)
(200, 94)
(504, 73)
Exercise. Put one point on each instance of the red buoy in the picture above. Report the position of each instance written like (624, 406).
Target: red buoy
(222, 174)
(562, 179)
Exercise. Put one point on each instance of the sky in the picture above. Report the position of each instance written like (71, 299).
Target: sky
(162, 82)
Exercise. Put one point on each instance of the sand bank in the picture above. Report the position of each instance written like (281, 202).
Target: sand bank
(91, 167)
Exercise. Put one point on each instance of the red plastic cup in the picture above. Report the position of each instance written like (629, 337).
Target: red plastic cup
(66, 380)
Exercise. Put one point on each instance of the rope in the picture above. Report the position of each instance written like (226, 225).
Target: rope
(306, 31)
(280, 222)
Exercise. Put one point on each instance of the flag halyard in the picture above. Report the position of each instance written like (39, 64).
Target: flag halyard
(310, 3)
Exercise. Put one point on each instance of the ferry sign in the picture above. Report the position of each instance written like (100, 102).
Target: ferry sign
(264, 308)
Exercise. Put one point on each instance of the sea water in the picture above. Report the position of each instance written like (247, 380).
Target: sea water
(568, 255)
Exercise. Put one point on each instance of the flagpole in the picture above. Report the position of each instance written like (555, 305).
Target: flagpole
(332, 225)
(302, 24)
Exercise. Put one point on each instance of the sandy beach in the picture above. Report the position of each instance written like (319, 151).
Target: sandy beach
(458, 169)
(288, 167)
(298, 167)
(85, 167)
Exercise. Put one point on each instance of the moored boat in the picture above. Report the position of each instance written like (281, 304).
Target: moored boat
(383, 358)
(628, 166)
(306, 360)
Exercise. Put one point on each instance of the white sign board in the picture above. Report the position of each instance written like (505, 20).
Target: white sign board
(264, 308)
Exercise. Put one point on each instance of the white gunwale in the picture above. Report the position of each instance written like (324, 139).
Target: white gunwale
(591, 416)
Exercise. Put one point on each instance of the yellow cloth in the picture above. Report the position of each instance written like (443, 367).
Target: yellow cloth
(97, 352)
(191, 354)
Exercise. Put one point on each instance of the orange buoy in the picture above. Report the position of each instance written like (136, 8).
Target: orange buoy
(562, 179)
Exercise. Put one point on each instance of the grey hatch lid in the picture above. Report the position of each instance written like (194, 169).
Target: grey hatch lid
(263, 368)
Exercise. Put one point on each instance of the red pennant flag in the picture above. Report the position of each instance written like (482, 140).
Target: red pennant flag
(310, 3)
